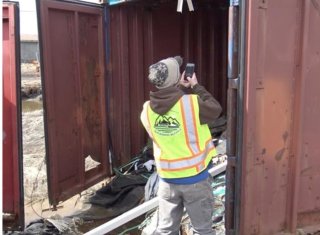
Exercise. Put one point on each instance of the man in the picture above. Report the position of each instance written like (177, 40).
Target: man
(176, 119)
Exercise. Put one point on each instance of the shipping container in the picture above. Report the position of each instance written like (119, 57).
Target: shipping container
(12, 184)
(259, 58)
(278, 167)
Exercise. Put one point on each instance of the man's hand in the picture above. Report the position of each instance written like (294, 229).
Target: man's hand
(191, 81)
(184, 82)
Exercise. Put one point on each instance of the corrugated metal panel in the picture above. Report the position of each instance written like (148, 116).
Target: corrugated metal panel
(142, 34)
(73, 79)
(280, 173)
(306, 118)
(13, 201)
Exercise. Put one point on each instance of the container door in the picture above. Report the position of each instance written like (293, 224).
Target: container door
(280, 141)
(13, 201)
(73, 83)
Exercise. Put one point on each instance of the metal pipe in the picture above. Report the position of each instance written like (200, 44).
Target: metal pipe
(125, 218)
(233, 42)
(230, 172)
(240, 105)
(232, 104)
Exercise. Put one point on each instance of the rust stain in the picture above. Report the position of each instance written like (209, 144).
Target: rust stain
(279, 154)
(306, 170)
(316, 4)
(285, 136)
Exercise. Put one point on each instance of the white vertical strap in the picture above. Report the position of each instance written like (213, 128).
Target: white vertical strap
(179, 6)
(190, 5)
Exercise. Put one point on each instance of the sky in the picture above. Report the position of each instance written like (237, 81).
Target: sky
(28, 16)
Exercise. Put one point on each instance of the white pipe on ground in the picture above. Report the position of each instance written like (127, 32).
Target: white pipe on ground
(141, 209)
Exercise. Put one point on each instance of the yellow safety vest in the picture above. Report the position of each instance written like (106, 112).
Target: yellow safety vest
(182, 146)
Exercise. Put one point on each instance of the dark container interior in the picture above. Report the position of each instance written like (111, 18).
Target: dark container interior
(145, 32)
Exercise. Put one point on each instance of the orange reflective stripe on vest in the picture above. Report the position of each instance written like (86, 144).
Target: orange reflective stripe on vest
(195, 161)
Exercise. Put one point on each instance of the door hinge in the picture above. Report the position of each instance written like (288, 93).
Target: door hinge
(232, 161)
(263, 4)
(234, 83)
(230, 232)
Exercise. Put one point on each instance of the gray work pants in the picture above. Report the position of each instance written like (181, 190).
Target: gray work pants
(196, 198)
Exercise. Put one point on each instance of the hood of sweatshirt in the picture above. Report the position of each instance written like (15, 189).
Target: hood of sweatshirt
(163, 100)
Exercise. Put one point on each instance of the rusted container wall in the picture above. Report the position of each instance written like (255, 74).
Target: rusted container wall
(280, 160)
(12, 194)
(142, 34)
(73, 80)
(306, 187)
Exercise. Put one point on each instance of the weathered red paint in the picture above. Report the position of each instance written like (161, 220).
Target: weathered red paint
(280, 172)
(13, 203)
(73, 79)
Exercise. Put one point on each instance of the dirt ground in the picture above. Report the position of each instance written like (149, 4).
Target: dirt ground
(35, 179)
